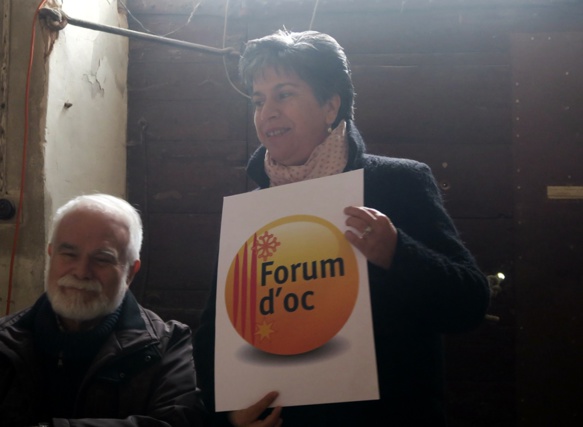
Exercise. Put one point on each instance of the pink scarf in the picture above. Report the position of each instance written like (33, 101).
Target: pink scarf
(328, 158)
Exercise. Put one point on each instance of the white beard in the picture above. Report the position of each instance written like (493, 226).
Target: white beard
(75, 305)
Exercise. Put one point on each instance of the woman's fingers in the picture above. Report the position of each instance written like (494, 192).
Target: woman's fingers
(378, 236)
(249, 416)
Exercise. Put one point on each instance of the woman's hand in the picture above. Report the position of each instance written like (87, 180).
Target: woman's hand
(248, 417)
(378, 236)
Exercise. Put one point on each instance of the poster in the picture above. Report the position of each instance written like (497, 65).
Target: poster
(293, 304)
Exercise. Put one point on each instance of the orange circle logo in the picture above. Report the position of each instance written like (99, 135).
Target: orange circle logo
(292, 286)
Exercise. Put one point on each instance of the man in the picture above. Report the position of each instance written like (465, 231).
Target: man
(86, 353)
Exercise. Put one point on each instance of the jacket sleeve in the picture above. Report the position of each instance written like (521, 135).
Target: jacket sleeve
(173, 396)
(433, 273)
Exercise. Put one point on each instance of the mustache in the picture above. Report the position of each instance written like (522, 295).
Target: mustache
(83, 285)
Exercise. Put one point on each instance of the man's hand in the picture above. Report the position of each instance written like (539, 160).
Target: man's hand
(248, 417)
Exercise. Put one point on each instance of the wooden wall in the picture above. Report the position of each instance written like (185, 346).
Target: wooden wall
(489, 93)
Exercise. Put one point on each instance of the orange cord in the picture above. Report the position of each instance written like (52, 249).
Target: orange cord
(23, 168)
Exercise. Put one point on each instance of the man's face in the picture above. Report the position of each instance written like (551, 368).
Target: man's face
(88, 272)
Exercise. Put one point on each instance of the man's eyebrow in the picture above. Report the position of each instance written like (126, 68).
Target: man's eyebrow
(99, 252)
(105, 252)
(66, 247)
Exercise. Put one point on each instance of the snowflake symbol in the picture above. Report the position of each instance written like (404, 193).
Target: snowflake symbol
(266, 245)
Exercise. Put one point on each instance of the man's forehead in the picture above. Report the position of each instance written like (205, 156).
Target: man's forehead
(92, 224)
(94, 216)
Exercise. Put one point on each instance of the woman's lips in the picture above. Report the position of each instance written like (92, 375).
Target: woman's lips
(275, 132)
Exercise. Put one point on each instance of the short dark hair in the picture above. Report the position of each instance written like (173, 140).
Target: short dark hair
(315, 57)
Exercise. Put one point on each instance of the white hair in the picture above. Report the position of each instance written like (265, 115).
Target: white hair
(111, 205)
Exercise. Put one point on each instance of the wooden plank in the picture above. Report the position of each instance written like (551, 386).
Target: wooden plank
(483, 404)
(475, 180)
(204, 30)
(395, 32)
(552, 234)
(481, 365)
(565, 192)
(549, 350)
(184, 81)
(434, 104)
(183, 257)
(547, 76)
(198, 120)
(263, 7)
(430, 31)
(194, 177)
(491, 242)
(455, 59)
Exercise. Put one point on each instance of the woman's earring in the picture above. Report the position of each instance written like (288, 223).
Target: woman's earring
(329, 129)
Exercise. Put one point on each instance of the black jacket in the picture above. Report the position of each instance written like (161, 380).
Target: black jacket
(142, 376)
(433, 287)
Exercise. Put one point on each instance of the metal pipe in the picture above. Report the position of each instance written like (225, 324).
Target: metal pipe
(57, 20)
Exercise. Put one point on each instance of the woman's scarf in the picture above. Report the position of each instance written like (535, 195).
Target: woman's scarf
(328, 158)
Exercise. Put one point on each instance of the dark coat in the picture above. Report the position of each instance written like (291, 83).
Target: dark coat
(142, 376)
(433, 287)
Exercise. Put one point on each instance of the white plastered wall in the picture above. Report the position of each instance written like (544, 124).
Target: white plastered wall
(77, 129)
(86, 106)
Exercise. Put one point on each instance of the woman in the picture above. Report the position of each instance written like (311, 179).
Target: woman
(423, 281)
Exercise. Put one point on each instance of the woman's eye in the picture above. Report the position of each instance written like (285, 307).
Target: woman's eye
(284, 95)
(257, 103)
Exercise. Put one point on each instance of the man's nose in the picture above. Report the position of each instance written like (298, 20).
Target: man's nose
(83, 269)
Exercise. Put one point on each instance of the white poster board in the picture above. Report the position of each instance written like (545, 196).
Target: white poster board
(293, 303)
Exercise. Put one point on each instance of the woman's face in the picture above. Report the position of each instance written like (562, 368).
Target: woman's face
(289, 120)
